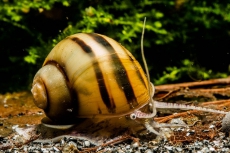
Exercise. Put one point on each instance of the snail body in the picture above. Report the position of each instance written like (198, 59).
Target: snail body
(90, 75)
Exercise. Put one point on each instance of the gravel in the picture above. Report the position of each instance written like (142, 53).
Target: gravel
(220, 144)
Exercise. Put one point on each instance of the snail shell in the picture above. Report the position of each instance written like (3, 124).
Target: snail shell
(90, 75)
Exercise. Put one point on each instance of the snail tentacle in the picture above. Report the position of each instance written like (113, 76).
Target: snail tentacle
(156, 104)
(182, 106)
(150, 128)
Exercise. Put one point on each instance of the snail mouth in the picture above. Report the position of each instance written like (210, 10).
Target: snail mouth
(39, 93)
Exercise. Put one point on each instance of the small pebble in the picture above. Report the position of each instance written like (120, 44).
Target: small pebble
(225, 149)
(87, 143)
(178, 121)
(127, 147)
(179, 149)
(212, 126)
(205, 149)
(135, 145)
(120, 151)
(205, 142)
(169, 147)
(56, 149)
(180, 129)
(62, 143)
(212, 149)
(44, 150)
(14, 127)
(148, 151)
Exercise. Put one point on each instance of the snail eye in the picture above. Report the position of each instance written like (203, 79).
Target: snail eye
(133, 116)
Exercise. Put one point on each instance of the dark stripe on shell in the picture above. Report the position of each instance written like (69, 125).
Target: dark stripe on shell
(81, 43)
(99, 75)
(136, 67)
(119, 71)
(59, 67)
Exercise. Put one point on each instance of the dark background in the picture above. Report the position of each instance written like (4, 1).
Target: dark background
(184, 40)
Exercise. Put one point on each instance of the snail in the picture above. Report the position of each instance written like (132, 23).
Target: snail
(89, 75)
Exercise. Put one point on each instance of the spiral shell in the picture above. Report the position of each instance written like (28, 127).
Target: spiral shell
(90, 75)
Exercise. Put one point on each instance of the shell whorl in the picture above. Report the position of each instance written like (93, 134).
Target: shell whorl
(51, 92)
(39, 93)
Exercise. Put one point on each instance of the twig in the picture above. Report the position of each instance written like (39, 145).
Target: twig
(192, 84)
(167, 118)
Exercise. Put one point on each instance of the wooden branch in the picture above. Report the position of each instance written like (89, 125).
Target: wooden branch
(172, 87)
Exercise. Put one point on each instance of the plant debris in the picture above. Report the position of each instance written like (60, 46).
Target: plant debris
(21, 129)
